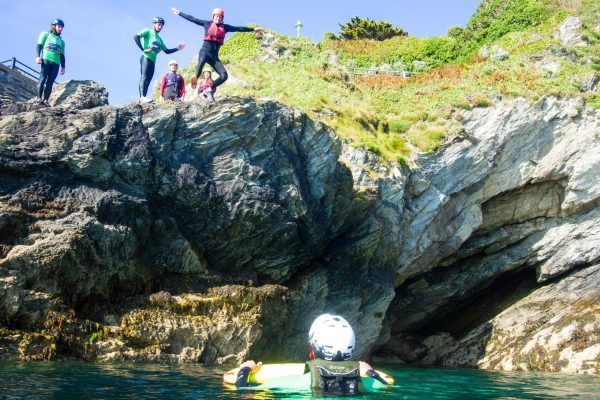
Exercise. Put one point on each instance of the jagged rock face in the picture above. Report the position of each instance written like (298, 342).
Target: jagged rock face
(568, 33)
(505, 210)
(137, 217)
(99, 205)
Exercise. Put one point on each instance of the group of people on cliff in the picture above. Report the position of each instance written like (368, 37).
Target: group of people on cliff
(50, 54)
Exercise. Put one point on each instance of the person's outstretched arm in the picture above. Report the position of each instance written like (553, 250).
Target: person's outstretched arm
(189, 17)
(231, 28)
(180, 46)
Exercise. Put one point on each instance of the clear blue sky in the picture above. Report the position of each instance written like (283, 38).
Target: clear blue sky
(99, 34)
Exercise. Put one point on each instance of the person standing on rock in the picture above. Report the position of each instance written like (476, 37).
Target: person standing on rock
(214, 36)
(151, 44)
(172, 86)
(50, 52)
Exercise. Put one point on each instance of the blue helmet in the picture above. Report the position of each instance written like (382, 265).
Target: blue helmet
(159, 20)
(58, 21)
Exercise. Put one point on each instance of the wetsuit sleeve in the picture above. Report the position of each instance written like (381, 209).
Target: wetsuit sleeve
(163, 83)
(62, 55)
(40, 43)
(169, 51)
(194, 19)
(138, 37)
(242, 377)
(375, 375)
(138, 41)
(229, 28)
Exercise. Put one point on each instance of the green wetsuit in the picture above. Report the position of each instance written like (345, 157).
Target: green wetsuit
(52, 47)
(151, 38)
(145, 39)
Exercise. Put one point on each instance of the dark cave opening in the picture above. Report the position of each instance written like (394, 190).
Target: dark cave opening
(504, 291)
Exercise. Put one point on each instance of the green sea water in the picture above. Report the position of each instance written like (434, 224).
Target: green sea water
(77, 380)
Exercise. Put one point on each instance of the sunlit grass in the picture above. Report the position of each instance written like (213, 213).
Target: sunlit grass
(398, 117)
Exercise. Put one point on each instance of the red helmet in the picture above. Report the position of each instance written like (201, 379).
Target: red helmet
(219, 11)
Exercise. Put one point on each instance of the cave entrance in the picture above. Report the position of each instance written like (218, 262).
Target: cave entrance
(504, 291)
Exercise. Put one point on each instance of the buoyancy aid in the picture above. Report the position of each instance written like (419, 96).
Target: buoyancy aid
(173, 81)
(205, 83)
(215, 33)
(335, 377)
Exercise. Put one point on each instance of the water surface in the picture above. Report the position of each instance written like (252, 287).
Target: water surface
(78, 380)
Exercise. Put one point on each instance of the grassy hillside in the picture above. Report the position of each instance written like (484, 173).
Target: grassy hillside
(397, 117)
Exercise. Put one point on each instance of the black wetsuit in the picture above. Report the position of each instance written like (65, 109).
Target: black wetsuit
(209, 53)
(48, 74)
(147, 67)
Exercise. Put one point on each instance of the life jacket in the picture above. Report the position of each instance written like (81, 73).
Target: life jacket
(335, 377)
(205, 83)
(215, 33)
(173, 81)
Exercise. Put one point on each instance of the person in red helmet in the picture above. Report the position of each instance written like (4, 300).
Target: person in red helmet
(214, 36)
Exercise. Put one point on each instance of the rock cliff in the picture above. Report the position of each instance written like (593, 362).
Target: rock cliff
(215, 232)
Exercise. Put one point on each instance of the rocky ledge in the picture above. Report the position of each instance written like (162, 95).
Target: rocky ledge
(215, 232)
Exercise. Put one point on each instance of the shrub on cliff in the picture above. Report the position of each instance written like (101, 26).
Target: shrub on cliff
(359, 28)
(496, 18)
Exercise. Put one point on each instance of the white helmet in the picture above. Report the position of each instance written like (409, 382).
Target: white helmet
(171, 62)
(332, 338)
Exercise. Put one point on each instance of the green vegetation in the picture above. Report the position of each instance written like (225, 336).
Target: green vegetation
(399, 116)
(496, 18)
(359, 28)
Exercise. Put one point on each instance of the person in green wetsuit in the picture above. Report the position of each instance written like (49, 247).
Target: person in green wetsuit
(331, 344)
(151, 44)
(50, 52)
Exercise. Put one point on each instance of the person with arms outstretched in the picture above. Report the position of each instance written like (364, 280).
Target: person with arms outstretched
(151, 44)
(214, 36)
(50, 52)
